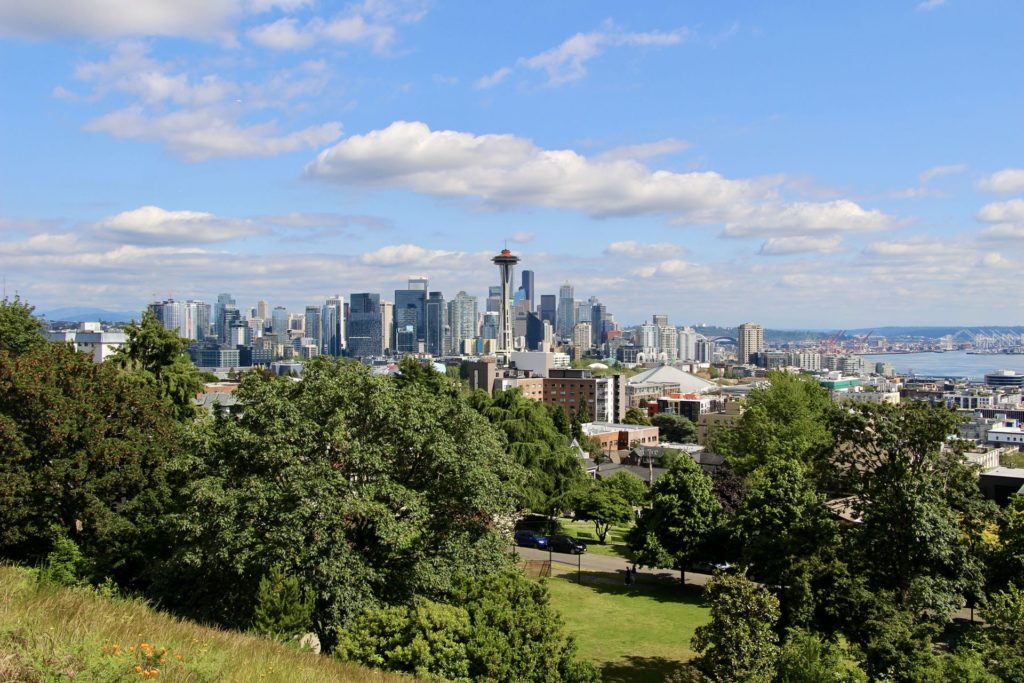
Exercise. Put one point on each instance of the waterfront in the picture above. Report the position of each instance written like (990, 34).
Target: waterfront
(949, 364)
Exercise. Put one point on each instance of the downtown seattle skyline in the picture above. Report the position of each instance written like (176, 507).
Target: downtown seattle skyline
(799, 165)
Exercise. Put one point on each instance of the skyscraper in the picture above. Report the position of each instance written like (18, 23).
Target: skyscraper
(566, 311)
(749, 340)
(437, 325)
(312, 327)
(190, 319)
(387, 321)
(279, 324)
(462, 315)
(549, 308)
(410, 323)
(332, 326)
(506, 263)
(217, 319)
(527, 288)
(364, 325)
(262, 310)
(597, 313)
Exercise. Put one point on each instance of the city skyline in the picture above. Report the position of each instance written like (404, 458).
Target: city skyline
(801, 166)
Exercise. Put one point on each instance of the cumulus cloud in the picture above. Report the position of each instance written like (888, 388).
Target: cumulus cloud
(634, 249)
(671, 268)
(38, 19)
(152, 225)
(404, 255)
(373, 22)
(784, 246)
(522, 237)
(1005, 181)
(1003, 212)
(802, 218)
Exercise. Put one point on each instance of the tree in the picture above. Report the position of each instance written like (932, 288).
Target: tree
(675, 428)
(739, 643)
(372, 491)
(502, 629)
(786, 419)
(560, 420)
(283, 610)
(628, 487)
(583, 411)
(806, 657)
(1003, 641)
(635, 416)
(604, 506)
(20, 331)
(82, 456)
(156, 356)
(682, 513)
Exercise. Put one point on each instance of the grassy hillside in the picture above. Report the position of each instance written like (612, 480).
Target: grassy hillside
(50, 634)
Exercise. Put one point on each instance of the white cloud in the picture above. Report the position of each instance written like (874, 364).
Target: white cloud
(671, 268)
(1004, 231)
(938, 171)
(645, 150)
(404, 255)
(928, 5)
(522, 237)
(1005, 181)
(210, 133)
(1011, 211)
(493, 79)
(258, 6)
(38, 19)
(150, 225)
(373, 22)
(805, 218)
(783, 246)
(634, 249)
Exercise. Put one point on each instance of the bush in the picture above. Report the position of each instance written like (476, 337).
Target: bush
(65, 565)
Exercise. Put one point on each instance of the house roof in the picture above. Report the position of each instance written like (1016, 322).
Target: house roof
(666, 374)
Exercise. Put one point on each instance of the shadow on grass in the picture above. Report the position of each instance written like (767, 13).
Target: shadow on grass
(639, 669)
(659, 590)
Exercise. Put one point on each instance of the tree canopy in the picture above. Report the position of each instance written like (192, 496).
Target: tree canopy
(20, 331)
(675, 428)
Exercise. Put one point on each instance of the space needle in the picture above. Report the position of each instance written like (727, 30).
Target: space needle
(506, 262)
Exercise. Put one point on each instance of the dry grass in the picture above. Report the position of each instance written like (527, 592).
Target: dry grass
(49, 634)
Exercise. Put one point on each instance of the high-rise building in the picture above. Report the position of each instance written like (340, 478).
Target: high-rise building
(364, 325)
(462, 315)
(597, 313)
(387, 321)
(687, 339)
(332, 326)
(549, 308)
(749, 340)
(279, 321)
(217, 317)
(312, 325)
(582, 336)
(418, 283)
(506, 263)
(437, 325)
(229, 315)
(190, 319)
(489, 328)
(566, 318)
(410, 324)
(528, 291)
(494, 298)
(660, 320)
(263, 310)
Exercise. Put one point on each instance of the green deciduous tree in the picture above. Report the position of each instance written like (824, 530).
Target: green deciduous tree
(807, 657)
(19, 330)
(675, 428)
(603, 506)
(785, 420)
(628, 487)
(739, 643)
(683, 511)
(635, 416)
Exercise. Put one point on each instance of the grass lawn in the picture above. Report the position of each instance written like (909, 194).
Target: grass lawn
(1012, 459)
(614, 545)
(631, 633)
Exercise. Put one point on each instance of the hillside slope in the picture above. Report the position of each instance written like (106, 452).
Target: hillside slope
(49, 633)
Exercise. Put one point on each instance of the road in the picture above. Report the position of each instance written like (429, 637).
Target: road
(564, 563)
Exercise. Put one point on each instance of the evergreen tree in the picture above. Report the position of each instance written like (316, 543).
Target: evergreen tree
(283, 610)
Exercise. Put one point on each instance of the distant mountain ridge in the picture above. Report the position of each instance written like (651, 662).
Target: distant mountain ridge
(79, 314)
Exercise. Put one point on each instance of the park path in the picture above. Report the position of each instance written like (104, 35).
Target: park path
(566, 564)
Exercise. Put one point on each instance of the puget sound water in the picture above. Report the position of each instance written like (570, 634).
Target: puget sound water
(950, 363)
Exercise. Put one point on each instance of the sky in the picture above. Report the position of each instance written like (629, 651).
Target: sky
(797, 164)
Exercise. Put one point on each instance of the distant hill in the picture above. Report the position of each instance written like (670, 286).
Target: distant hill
(78, 314)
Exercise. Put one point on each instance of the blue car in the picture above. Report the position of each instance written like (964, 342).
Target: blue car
(531, 539)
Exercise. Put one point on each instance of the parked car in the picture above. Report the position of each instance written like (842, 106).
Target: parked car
(567, 544)
(531, 539)
(710, 567)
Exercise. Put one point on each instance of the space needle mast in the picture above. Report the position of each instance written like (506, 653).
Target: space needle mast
(506, 262)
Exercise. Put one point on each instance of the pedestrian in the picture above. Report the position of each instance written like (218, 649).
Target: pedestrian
(629, 576)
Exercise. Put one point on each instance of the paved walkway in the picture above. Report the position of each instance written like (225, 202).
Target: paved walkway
(566, 564)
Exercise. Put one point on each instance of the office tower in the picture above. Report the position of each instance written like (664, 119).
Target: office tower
(566, 311)
(462, 315)
(582, 311)
(527, 287)
(597, 314)
(418, 283)
(332, 326)
(190, 319)
(494, 298)
(649, 339)
(659, 320)
(489, 328)
(387, 321)
(409, 315)
(535, 332)
(217, 317)
(549, 308)
(263, 310)
(749, 340)
(364, 325)
(582, 336)
(437, 325)
(705, 349)
(279, 321)
(311, 326)
(229, 315)
(506, 263)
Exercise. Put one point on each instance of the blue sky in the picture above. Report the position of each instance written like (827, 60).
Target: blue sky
(800, 164)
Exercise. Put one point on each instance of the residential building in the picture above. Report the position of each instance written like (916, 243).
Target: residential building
(462, 320)
(190, 319)
(749, 340)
